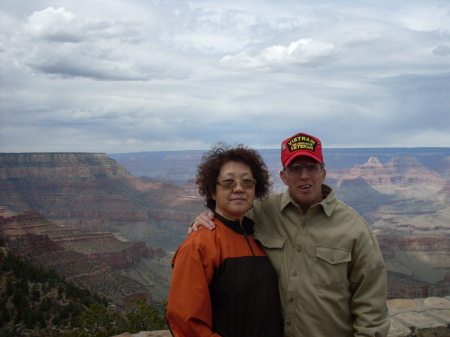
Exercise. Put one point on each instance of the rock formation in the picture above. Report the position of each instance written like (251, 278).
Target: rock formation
(406, 201)
(94, 193)
(91, 260)
(401, 169)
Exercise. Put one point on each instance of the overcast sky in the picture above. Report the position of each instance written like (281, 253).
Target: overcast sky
(149, 75)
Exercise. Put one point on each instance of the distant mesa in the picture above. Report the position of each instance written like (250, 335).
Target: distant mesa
(138, 207)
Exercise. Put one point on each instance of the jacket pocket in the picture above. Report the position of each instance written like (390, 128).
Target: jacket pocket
(273, 247)
(330, 267)
(269, 242)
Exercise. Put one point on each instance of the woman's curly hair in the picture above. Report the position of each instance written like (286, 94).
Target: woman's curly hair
(212, 162)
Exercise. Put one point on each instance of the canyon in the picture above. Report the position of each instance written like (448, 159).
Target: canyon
(111, 222)
(96, 261)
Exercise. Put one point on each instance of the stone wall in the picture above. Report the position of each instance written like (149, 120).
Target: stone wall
(420, 317)
(424, 317)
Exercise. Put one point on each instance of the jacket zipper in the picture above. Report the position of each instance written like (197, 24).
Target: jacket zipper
(246, 239)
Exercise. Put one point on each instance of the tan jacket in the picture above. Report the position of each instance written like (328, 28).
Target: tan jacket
(331, 273)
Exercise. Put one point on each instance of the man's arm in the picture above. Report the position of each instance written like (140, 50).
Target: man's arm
(205, 219)
(369, 287)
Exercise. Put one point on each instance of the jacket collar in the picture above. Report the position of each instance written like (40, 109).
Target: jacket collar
(235, 226)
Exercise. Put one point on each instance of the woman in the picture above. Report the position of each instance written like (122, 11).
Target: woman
(222, 282)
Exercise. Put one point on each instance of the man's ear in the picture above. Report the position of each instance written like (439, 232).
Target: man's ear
(324, 172)
(283, 177)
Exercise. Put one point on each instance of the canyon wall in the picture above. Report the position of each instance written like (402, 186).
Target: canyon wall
(91, 198)
(92, 192)
(95, 261)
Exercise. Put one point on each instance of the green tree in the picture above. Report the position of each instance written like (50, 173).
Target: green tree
(98, 321)
(35, 294)
(9, 287)
(31, 290)
(40, 319)
(138, 315)
(5, 317)
(141, 316)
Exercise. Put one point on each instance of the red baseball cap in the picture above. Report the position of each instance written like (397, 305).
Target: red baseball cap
(301, 145)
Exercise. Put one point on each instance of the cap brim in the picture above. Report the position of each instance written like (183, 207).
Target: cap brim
(302, 153)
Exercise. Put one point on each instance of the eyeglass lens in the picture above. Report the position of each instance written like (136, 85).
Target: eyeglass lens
(231, 183)
(311, 168)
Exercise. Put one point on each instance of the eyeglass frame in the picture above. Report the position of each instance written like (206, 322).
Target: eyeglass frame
(235, 183)
(308, 170)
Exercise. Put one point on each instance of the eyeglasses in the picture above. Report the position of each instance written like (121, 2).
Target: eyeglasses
(311, 168)
(231, 183)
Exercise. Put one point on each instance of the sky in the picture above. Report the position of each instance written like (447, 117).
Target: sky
(122, 76)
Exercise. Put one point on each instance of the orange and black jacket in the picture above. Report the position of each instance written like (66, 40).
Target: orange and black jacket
(223, 284)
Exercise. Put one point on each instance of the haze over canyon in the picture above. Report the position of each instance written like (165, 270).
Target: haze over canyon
(111, 222)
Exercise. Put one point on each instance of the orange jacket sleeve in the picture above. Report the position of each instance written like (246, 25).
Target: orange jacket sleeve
(189, 305)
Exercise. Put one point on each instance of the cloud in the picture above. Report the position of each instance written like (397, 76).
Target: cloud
(55, 25)
(69, 46)
(304, 52)
(138, 75)
(64, 65)
(442, 50)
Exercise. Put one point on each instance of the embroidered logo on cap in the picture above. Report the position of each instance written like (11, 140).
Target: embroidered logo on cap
(301, 143)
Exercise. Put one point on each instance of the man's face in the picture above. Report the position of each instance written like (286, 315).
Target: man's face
(304, 182)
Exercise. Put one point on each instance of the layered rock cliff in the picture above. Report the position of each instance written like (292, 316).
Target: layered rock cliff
(69, 185)
(401, 196)
(401, 169)
(92, 192)
(405, 201)
(418, 266)
(95, 261)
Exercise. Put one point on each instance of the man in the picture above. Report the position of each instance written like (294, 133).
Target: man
(332, 277)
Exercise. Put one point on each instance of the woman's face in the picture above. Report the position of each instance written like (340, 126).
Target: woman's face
(232, 203)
